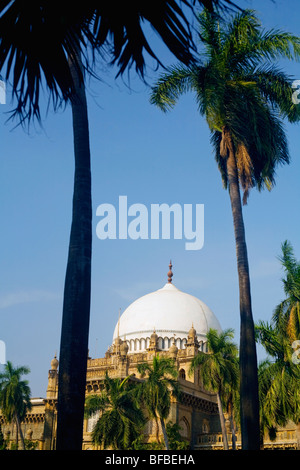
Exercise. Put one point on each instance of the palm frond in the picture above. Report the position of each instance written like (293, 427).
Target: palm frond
(275, 44)
(239, 33)
(209, 33)
(94, 403)
(38, 38)
(276, 87)
(170, 86)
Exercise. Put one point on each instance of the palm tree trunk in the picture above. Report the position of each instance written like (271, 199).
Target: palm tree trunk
(163, 427)
(157, 430)
(233, 433)
(248, 358)
(76, 306)
(298, 435)
(232, 425)
(19, 433)
(222, 421)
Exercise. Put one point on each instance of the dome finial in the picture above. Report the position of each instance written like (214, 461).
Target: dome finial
(170, 273)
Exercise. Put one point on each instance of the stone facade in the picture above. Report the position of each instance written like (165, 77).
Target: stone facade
(196, 413)
(197, 406)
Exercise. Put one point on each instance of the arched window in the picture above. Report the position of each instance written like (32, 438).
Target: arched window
(184, 428)
(205, 426)
(92, 421)
(182, 374)
(160, 343)
(148, 429)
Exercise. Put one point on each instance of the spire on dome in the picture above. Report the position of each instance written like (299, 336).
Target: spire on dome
(170, 273)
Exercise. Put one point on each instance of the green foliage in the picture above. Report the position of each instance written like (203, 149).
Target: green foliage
(237, 87)
(2, 440)
(279, 376)
(32, 62)
(121, 420)
(122, 404)
(176, 442)
(14, 395)
(160, 378)
(140, 444)
(278, 379)
(288, 311)
(14, 392)
(220, 366)
(30, 445)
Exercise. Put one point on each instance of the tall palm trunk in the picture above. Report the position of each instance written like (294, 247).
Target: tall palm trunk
(19, 433)
(298, 435)
(163, 427)
(232, 424)
(222, 421)
(157, 429)
(248, 359)
(76, 307)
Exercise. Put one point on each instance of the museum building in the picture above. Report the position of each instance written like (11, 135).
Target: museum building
(168, 322)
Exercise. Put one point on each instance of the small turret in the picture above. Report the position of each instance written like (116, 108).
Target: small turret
(192, 344)
(124, 348)
(53, 380)
(153, 346)
(173, 351)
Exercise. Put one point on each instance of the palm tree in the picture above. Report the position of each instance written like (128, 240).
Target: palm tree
(279, 376)
(270, 412)
(289, 309)
(231, 400)
(278, 379)
(121, 420)
(156, 390)
(176, 441)
(242, 96)
(14, 397)
(2, 440)
(32, 60)
(219, 368)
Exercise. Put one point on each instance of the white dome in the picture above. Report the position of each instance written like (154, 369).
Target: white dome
(168, 311)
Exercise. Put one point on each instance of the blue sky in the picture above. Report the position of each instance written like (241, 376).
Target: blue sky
(150, 157)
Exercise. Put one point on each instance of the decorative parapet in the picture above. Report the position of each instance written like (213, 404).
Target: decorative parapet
(101, 362)
(199, 403)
